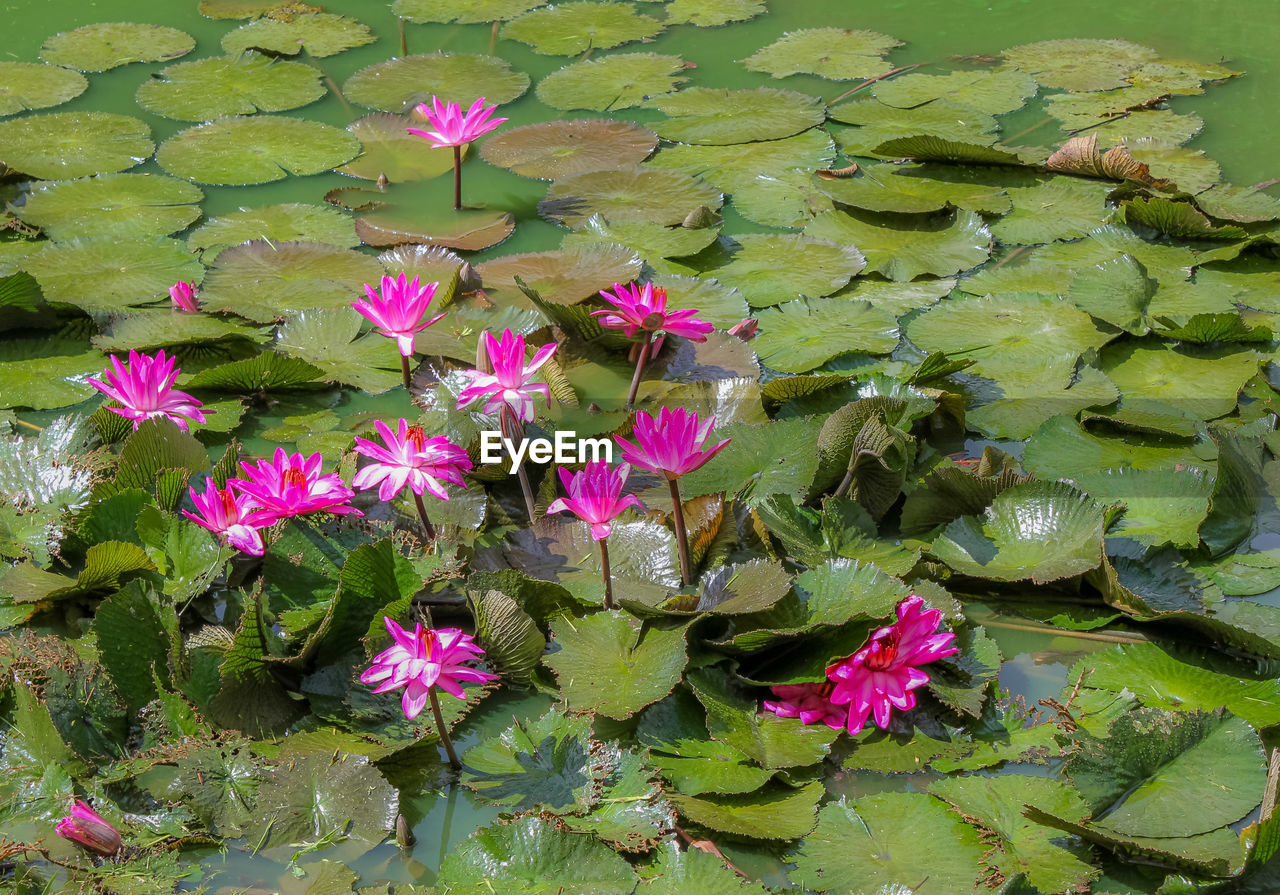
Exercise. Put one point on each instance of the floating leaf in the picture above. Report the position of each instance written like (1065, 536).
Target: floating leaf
(313, 794)
(1060, 208)
(106, 45)
(771, 812)
(218, 87)
(62, 145)
(319, 33)
(48, 380)
(532, 855)
(274, 224)
(771, 269)
(916, 189)
(994, 92)
(628, 194)
(389, 151)
(463, 12)
(1080, 155)
(327, 339)
(544, 763)
(237, 9)
(1181, 220)
(255, 149)
(1118, 292)
(712, 13)
(1079, 64)
(777, 457)
(400, 84)
(269, 370)
(396, 215)
(30, 85)
(619, 81)
(941, 120)
(114, 205)
(800, 335)
(838, 54)
(1203, 383)
(565, 276)
(650, 241)
(903, 248)
(957, 152)
(736, 166)
(718, 117)
(87, 273)
(567, 29)
(552, 150)
(162, 328)
(1246, 205)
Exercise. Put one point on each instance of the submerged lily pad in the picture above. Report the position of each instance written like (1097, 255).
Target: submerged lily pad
(106, 45)
(769, 269)
(902, 248)
(388, 150)
(712, 13)
(718, 117)
(838, 54)
(402, 214)
(993, 92)
(798, 336)
(1079, 64)
(256, 149)
(62, 145)
(275, 224)
(319, 33)
(399, 84)
(112, 205)
(552, 150)
(620, 81)
(106, 274)
(629, 194)
(221, 86)
(567, 29)
(29, 85)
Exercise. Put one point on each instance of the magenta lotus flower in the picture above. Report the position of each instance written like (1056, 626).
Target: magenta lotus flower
(882, 675)
(427, 658)
(644, 309)
(183, 296)
(400, 311)
(86, 828)
(288, 485)
(145, 387)
(508, 385)
(223, 512)
(595, 495)
(410, 458)
(450, 126)
(670, 445)
(810, 702)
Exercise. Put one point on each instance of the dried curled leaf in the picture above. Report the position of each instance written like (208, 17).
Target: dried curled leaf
(1080, 155)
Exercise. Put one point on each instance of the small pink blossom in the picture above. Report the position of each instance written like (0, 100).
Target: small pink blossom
(431, 657)
(644, 309)
(86, 828)
(882, 675)
(223, 512)
(508, 384)
(670, 445)
(595, 495)
(810, 702)
(145, 387)
(745, 329)
(288, 485)
(400, 311)
(410, 458)
(450, 127)
(183, 297)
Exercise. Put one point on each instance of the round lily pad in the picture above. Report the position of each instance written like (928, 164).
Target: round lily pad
(1060, 208)
(463, 12)
(230, 85)
(106, 274)
(408, 213)
(878, 122)
(112, 205)
(730, 167)
(838, 54)
(628, 194)
(712, 13)
(274, 223)
(390, 151)
(551, 150)
(161, 328)
(799, 335)
(428, 263)
(788, 199)
(567, 29)
(902, 247)
(398, 85)
(62, 145)
(993, 92)
(30, 85)
(652, 241)
(256, 149)
(565, 276)
(770, 268)
(1079, 64)
(717, 116)
(916, 189)
(319, 33)
(106, 45)
(237, 9)
(614, 82)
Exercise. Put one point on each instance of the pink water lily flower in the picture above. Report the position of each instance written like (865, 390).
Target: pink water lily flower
(400, 311)
(881, 676)
(410, 458)
(450, 126)
(810, 702)
(508, 384)
(288, 485)
(595, 495)
(427, 658)
(86, 828)
(145, 387)
(670, 444)
(223, 512)
(639, 309)
(183, 297)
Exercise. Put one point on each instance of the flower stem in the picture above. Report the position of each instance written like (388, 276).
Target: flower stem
(404, 39)
(444, 732)
(604, 572)
(635, 380)
(457, 178)
(512, 430)
(422, 514)
(682, 536)
(493, 37)
(404, 368)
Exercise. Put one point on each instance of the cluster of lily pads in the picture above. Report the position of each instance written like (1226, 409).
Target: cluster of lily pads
(981, 334)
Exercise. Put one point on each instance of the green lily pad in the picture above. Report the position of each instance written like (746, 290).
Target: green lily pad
(263, 281)
(534, 855)
(736, 166)
(30, 85)
(898, 298)
(463, 12)
(221, 86)
(275, 224)
(1063, 449)
(390, 151)
(902, 248)
(712, 13)
(163, 328)
(237, 9)
(994, 92)
(1079, 64)
(257, 149)
(400, 84)
(929, 148)
(652, 242)
(552, 150)
(543, 762)
(58, 145)
(88, 273)
(771, 812)
(1043, 531)
(319, 33)
(48, 381)
(628, 194)
(1190, 169)
(411, 213)
(116, 205)
(798, 336)
(789, 199)
(838, 54)
(1060, 208)
(719, 117)
(567, 29)
(878, 122)
(1117, 291)
(918, 189)
(777, 457)
(620, 81)
(770, 269)
(106, 45)
(327, 339)
(1181, 220)
(564, 276)
(1245, 205)
(1204, 383)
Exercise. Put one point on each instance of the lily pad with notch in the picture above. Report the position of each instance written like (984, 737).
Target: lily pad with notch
(400, 84)
(106, 45)
(330, 340)
(107, 274)
(735, 165)
(565, 276)
(31, 85)
(222, 86)
(319, 33)
(619, 81)
(837, 54)
(567, 29)
(878, 122)
(1078, 64)
(653, 242)
(769, 269)
(902, 247)
(995, 92)
(390, 151)
(461, 12)
(552, 150)
(919, 189)
(274, 224)
(255, 149)
(712, 13)
(627, 194)
(117, 205)
(165, 328)
(403, 213)
(62, 145)
(719, 117)
(798, 336)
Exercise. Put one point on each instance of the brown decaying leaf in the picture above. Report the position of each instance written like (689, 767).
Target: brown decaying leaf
(837, 173)
(1080, 155)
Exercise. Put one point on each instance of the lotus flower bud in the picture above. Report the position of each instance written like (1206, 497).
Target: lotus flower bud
(84, 827)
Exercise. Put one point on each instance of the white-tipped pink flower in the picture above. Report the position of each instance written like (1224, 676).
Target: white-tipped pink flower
(410, 458)
(183, 296)
(223, 512)
(450, 126)
(509, 383)
(595, 495)
(288, 485)
(429, 657)
(400, 311)
(144, 387)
